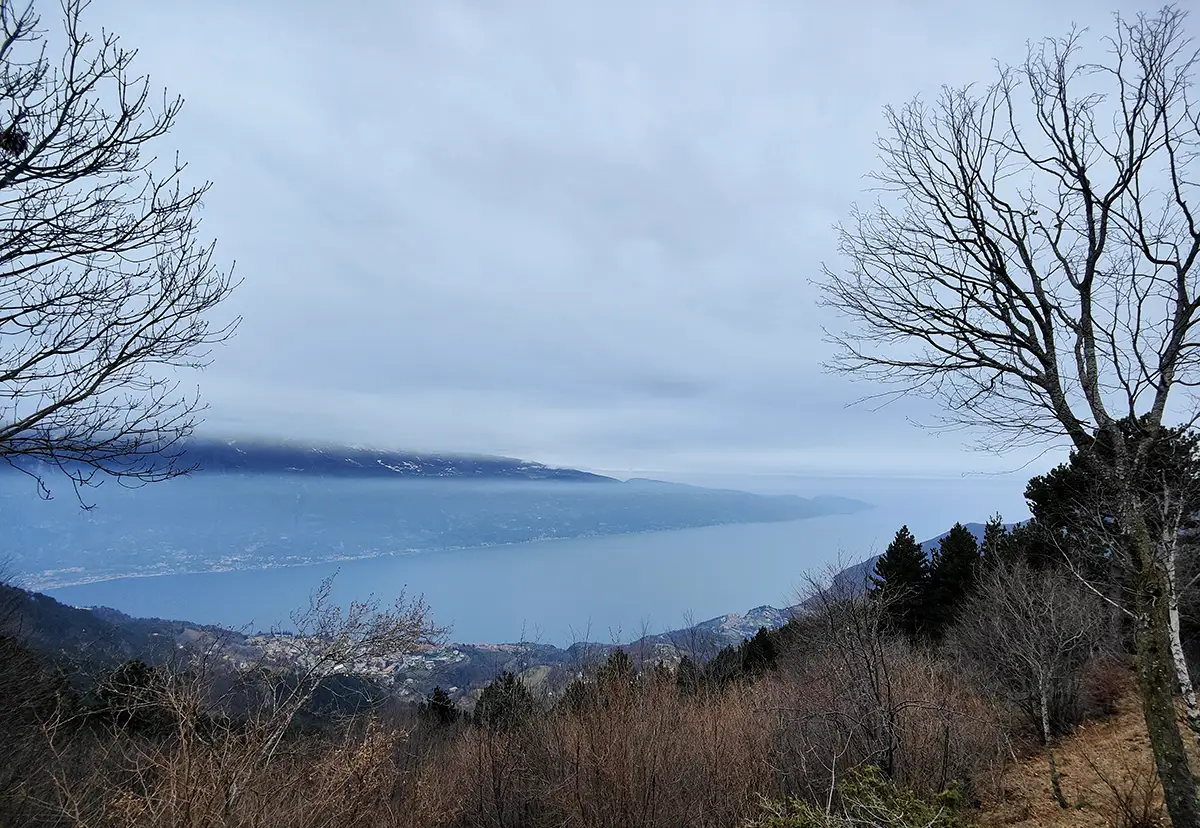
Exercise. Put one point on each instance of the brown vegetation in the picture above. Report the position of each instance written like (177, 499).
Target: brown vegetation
(1108, 778)
(620, 748)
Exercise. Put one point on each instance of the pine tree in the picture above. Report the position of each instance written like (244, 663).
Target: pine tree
(1074, 513)
(616, 681)
(951, 577)
(996, 541)
(688, 677)
(578, 697)
(902, 579)
(503, 703)
(761, 652)
(440, 707)
(617, 671)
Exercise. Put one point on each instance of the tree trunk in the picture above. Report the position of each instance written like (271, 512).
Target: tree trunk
(1156, 675)
(1044, 709)
(1044, 704)
(1183, 677)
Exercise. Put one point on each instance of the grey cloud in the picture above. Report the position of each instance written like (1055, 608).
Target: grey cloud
(577, 232)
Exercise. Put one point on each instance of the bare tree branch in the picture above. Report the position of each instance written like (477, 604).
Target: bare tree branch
(105, 288)
(1031, 262)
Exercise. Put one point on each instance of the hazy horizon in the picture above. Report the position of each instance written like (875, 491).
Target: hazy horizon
(279, 535)
(581, 234)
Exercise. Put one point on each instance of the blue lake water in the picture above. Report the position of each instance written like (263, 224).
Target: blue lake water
(555, 591)
(558, 591)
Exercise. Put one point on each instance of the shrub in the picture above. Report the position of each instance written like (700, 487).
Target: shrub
(866, 799)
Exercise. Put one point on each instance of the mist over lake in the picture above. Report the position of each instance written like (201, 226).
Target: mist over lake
(275, 536)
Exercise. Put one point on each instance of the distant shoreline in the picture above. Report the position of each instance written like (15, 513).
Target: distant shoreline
(48, 586)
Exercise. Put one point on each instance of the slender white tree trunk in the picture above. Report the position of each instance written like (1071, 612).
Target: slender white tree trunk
(1044, 704)
(1186, 690)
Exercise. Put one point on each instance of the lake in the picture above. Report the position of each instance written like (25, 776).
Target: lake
(596, 588)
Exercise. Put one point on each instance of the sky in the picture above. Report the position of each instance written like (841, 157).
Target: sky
(584, 233)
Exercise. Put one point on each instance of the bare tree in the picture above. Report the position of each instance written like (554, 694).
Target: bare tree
(856, 693)
(225, 746)
(1031, 262)
(1030, 635)
(327, 640)
(105, 289)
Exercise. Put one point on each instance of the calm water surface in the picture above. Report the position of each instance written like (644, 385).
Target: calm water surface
(599, 588)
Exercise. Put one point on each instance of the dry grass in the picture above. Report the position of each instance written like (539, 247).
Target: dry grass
(619, 751)
(1107, 774)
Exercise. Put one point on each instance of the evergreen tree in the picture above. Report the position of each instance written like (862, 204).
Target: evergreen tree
(724, 667)
(617, 672)
(1031, 544)
(616, 681)
(902, 579)
(503, 703)
(578, 697)
(951, 577)
(440, 707)
(1064, 503)
(761, 652)
(997, 544)
(132, 697)
(688, 677)
(1074, 513)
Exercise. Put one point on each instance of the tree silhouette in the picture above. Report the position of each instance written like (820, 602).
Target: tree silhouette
(105, 287)
(688, 677)
(504, 703)
(901, 579)
(997, 541)
(951, 577)
(760, 652)
(440, 707)
(1032, 262)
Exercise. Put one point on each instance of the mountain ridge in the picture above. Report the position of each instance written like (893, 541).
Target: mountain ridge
(251, 456)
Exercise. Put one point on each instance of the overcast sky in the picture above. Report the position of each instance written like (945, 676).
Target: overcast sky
(576, 232)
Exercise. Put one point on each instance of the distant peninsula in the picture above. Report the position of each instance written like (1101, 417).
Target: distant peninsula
(258, 505)
(264, 457)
